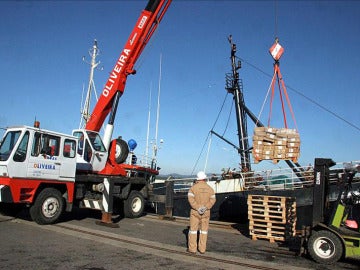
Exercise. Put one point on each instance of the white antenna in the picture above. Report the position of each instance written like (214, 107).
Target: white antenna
(148, 128)
(155, 147)
(85, 111)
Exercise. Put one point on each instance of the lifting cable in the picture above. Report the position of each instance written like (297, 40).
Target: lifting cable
(243, 60)
(263, 105)
(282, 89)
(276, 51)
(276, 19)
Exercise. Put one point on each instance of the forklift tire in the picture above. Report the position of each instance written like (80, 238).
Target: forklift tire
(48, 206)
(325, 247)
(121, 151)
(134, 205)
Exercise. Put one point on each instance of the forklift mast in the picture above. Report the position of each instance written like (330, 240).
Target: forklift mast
(321, 189)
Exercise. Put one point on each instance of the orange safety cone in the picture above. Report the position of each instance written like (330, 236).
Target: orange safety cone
(106, 220)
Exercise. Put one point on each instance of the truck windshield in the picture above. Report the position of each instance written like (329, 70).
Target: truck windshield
(8, 144)
(96, 141)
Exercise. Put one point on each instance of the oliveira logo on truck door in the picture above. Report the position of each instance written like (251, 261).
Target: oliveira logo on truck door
(44, 166)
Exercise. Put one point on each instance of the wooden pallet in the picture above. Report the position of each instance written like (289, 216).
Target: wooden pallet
(271, 217)
(270, 230)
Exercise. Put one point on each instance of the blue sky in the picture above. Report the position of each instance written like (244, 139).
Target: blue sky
(42, 72)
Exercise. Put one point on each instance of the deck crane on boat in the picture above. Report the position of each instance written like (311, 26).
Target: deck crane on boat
(50, 171)
(234, 87)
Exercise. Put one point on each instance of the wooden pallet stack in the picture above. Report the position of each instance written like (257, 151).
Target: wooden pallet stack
(275, 144)
(271, 217)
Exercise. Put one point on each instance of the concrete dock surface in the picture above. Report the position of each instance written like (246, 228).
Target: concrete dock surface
(150, 242)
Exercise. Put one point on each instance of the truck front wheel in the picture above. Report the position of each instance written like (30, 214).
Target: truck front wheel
(48, 206)
(134, 205)
(325, 247)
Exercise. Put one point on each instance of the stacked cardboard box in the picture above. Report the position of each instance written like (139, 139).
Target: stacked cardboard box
(275, 144)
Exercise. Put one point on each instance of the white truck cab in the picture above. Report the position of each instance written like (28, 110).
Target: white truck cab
(33, 153)
(51, 172)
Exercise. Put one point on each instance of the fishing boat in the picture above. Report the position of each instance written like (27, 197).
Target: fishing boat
(233, 187)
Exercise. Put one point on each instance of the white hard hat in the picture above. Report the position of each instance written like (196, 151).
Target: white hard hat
(201, 176)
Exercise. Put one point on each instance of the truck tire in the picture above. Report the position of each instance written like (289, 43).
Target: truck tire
(325, 247)
(121, 151)
(48, 206)
(134, 205)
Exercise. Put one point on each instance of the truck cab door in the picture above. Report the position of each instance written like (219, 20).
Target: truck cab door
(45, 160)
(17, 161)
(68, 162)
(92, 154)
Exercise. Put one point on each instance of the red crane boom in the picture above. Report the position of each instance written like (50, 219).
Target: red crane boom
(145, 27)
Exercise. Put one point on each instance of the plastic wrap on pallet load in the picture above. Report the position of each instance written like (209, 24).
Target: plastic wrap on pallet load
(275, 144)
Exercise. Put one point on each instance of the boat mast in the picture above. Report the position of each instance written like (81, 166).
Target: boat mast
(85, 111)
(234, 86)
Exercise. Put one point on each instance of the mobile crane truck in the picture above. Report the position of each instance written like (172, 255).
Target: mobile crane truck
(51, 172)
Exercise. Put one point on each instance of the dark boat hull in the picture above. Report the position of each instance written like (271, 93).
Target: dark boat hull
(232, 206)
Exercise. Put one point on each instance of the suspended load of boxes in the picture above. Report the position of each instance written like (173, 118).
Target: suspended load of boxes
(271, 143)
(275, 144)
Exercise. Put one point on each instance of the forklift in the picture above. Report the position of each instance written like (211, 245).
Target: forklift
(334, 233)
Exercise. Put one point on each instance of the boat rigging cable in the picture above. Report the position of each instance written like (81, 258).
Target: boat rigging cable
(208, 135)
(228, 120)
(211, 132)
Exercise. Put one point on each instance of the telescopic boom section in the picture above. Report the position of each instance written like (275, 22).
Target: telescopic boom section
(145, 26)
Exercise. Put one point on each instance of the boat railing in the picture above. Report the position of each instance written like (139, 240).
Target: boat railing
(279, 179)
(181, 185)
(286, 178)
(142, 160)
(274, 179)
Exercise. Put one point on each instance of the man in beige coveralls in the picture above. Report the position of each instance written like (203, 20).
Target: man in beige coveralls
(201, 198)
